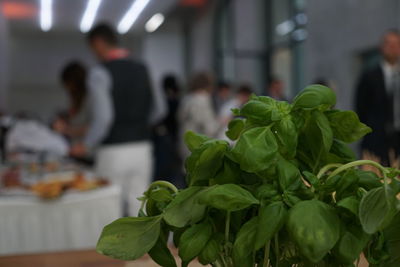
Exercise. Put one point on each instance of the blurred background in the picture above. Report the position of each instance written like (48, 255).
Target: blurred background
(233, 47)
(299, 41)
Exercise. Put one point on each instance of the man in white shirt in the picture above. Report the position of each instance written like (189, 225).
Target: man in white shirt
(378, 100)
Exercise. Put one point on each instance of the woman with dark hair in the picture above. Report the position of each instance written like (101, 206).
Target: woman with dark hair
(73, 123)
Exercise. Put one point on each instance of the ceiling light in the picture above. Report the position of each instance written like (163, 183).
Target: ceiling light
(89, 15)
(285, 27)
(46, 14)
(155, 22)
(131, 15)
(300, 35)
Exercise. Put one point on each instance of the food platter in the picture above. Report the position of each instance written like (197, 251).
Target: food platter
(47, 181)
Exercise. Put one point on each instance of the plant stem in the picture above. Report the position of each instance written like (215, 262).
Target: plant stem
(277, 249)
(266, 254)
(164, 184)
(227, 224)
(317, 161)
(224, 264)
(219, 262)
(326, 168)
(358, 163)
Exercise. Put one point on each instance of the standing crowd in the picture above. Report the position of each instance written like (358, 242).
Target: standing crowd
(132, 132)
(117, 119)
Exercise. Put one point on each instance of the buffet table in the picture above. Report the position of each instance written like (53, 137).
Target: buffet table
(29, 224)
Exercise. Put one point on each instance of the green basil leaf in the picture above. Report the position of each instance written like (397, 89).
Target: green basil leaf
(210, 252)
(243, 254)
(290, 198)
(315, 96)
(351, 244)
(314, 227)
(351, 204)
(151, 208)
(311, 178)
(177, 236)
(129, 238)
(194, 140)
(184, 209)
(289, 175)
(256, 150)
(286, 133)
(162, 255)
(261, 110)
(368, 180)
(161, 194)
(347, 184)
(392, 237)
(193, 240)
(330, 184)
(346, 126)
(325, 129)
(229, 173)
(230, 197)
(340, 152)
(235, 128)
(266, 191)
(376, 210)
(317, 137)
(270, 220)
(204, 162)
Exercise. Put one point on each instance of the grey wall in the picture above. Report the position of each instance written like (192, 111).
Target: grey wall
(249, 38)
(3, 61)
(36, 60)
(338, 32)
(162, 51)
(201, 40)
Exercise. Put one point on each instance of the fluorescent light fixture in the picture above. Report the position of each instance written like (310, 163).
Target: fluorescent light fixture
(131, 15)
(46, 14)
(300, 35)
(285, 27)
(155, 22)
(89, 15)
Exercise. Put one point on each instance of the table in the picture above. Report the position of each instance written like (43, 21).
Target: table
(79, 259)
(75, 221)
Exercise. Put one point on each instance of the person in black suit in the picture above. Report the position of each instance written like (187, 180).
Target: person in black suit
(120, 99)
(378, 100)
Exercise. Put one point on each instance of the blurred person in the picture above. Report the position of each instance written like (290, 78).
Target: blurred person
(196, 111)
(276, 89)
(120, 98)
(222, 95)
(240, 98)
(225, 115)
(165, 137)
(73, 124)
(378, 100)
(172, 91)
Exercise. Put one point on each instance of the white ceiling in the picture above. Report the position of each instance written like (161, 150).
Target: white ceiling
(67, 14)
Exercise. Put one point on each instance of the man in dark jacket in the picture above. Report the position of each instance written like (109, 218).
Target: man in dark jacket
(378, 100)
(120, 98)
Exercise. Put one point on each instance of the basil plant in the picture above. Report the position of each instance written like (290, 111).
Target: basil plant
(289, 192)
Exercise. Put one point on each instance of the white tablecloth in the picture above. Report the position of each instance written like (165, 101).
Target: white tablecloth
(75, 221)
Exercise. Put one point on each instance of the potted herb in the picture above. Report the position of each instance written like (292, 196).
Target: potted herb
(288, 193)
